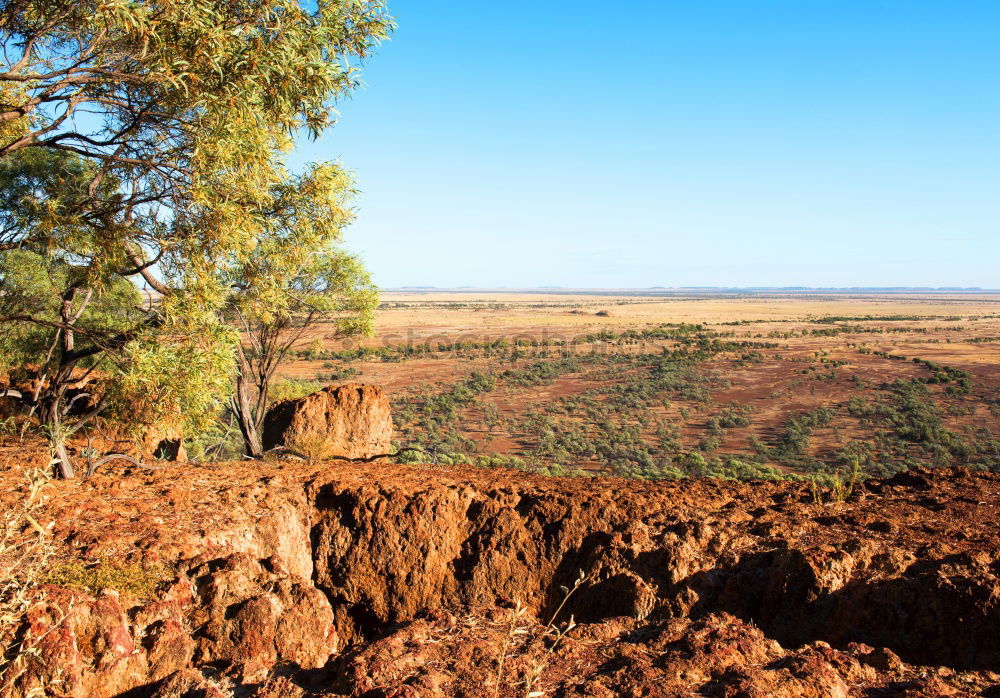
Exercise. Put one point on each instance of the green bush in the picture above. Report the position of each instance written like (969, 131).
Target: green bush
(134, 579)
(293, 388)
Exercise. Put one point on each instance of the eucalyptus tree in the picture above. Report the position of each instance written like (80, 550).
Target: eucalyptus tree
(298, 282)
(177, 116)
(67, 318)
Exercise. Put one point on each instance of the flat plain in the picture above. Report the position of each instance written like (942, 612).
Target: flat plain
(760, 385)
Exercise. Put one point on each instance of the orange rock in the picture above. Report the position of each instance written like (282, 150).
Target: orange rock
(187, 684)
(351, 421)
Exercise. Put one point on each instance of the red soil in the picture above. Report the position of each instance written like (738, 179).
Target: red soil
(380, 580)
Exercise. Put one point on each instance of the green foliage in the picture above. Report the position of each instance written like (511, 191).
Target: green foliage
(134, 579)
(32, 286)
(491, 416)
(731, 417)
(40, 189)
(63, 317)
(195, 102)
(176, 179)
(294, 388)
(178, 375)
(792, 446)
(542, 372)
(913, 433)
(838, 485)
(610, 424)
(733, 468)
(295, 270)
(219, 441)
(433, 420)
(709, 443)
(342, 374)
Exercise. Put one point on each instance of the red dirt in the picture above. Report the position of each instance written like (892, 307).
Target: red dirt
(382, 580)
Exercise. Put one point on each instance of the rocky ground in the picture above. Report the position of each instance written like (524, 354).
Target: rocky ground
(336, 579)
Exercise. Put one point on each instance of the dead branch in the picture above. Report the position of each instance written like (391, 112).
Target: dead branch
(121, 456)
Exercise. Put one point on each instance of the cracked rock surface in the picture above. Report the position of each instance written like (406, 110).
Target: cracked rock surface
(386, 580)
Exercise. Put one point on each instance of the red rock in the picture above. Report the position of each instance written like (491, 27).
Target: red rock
(417, 571)
(247, 612)
(187, 684)
(351, 421)
(58, 658)
(169, 648)
(280, 687)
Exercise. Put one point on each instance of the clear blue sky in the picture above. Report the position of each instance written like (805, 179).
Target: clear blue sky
(668, 143)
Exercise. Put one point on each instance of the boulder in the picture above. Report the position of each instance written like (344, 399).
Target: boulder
(168, 447)
(253, 613)
(81, 645)
(351, 421)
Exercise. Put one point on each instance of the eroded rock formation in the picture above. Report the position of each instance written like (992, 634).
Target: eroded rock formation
(386, 580)
(351, 421)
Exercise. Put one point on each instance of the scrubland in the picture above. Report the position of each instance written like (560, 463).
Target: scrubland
(791, 496)
(745, 387)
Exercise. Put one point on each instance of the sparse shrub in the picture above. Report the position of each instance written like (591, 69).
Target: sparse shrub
(134, 579)
(342, 374)
(709, 443)
(555, 634)
(837, 486)
(793, 442)
(313, 350)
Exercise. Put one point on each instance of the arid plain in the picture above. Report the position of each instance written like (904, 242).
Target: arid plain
(655, 386)
(461, 570)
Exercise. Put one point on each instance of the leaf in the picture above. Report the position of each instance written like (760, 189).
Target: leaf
(34, 524)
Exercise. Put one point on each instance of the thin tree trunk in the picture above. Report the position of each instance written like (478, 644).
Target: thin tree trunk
(51, 417)
(246, 417)
(256, 367)
(66, 470)
(52, 410)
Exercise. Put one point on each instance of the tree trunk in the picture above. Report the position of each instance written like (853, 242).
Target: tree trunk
(246, 417)
(65, 464)
(51, 417)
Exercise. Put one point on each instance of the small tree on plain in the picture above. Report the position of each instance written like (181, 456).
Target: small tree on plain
(297, 282)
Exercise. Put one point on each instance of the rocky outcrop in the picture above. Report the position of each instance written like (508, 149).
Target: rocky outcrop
(350, 421)
(716, 655)
(789, 567)
(238, 613)
(348, 579)
(255, 614)
(84, 646)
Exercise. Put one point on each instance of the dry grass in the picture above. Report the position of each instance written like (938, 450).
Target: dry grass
(552, 636)
(26, 547)
(423, 314)
(130, 579)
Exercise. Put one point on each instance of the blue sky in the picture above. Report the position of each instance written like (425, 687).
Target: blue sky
(731, 143)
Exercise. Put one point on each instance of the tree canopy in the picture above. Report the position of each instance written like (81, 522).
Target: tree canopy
(147, 141)
(189, 106)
